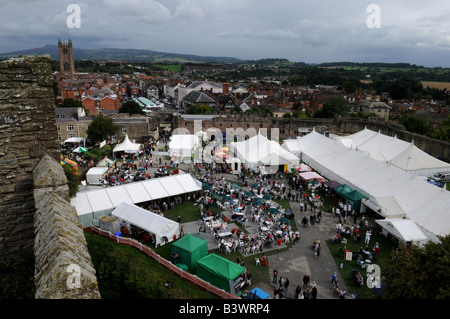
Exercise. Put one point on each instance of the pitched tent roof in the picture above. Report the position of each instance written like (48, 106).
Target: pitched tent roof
(259, 150)
(127, 146)
(153, 223)
(191, 249)
(394, 151)
(218, 271)
(414, 159)
(423, 203)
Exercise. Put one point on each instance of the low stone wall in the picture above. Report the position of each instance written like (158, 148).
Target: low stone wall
(63, 266)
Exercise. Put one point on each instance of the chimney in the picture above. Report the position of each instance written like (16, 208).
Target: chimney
(226, 88)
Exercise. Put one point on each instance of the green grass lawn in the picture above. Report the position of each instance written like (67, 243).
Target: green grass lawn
(124, 272)
(385, 252)
(187, 211)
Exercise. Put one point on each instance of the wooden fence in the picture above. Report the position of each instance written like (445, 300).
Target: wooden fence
(170, 266)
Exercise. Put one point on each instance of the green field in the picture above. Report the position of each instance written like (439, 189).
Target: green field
(169, 67)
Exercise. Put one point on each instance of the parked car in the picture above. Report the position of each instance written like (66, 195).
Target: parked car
(441, 177)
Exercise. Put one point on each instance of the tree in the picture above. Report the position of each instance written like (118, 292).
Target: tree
(101, 128)
(415, 124)
(416, 272)
(336, 107)
(443, 133)
(69, 102)
(72, 179)
(131, 107)
(405, 88)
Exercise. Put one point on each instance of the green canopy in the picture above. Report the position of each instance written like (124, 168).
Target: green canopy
(248, 193)
(285, 221)
(191, 249)
(218, 271)
(274, 210)
(350, 194)
(257, 201)
(255, 185)
(267, 196)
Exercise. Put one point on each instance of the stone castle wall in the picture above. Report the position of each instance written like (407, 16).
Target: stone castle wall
(36, 219)
(27, 131)
(289, 128)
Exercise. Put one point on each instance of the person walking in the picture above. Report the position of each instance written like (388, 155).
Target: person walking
(334, 279)
(317, 250)
(275, 276)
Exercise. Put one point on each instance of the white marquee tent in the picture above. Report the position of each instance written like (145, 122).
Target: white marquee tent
(127, 146)
(155, 224)
(93, 203)
(426, 205)
(394, 151)
(259, 150)
(182, 145)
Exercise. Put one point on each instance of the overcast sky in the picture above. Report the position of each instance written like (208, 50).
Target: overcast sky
(316, 31)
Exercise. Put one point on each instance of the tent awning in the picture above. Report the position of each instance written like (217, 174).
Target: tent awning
(74, 140)
(311, 175)
(404, 230)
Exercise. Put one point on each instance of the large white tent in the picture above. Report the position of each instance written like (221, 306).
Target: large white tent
(155, 224)
(127, 146)
(394, 151)
(181, 145)
(259, 150)
(426, 205)
(93, 203)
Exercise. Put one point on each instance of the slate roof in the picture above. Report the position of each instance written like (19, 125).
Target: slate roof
(198, 97)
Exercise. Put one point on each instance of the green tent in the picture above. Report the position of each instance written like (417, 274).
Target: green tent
(220, 272)
(351, 195)
(191, 249)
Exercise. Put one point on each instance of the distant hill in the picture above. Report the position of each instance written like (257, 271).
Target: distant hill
(126, 55)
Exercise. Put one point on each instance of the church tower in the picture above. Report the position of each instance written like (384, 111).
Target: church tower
(66, 62)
